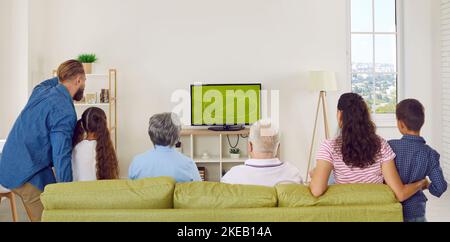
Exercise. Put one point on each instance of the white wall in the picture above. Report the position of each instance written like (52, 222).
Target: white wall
(421, 62)
(444, 103)
(437, 93)
(422, 55)
(13, 61)
(161, 46)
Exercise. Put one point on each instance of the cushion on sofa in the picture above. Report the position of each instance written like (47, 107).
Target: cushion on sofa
(154, 193)
(358, 194)
(208, 195)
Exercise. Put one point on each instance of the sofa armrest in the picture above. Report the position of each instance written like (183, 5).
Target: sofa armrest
(155, 193)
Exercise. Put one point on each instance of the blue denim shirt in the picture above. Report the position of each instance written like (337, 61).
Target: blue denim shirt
(415, 160)
(41, 139)
(164, 161)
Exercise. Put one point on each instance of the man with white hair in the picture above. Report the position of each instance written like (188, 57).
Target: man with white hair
(264, 168)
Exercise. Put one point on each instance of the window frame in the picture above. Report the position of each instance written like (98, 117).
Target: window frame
(381, 120)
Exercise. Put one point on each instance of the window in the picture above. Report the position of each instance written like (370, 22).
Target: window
(374, 67)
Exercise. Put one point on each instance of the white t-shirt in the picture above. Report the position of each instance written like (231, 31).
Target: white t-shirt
(84, 161)
(264, 173)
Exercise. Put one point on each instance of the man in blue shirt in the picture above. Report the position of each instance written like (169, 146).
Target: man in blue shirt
(415, 160)
(41, 138)
(164, 160)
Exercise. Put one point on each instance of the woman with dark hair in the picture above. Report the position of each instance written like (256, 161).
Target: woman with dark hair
(93, 156)
(358, 155)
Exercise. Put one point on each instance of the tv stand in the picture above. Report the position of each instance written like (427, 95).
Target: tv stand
(197, 141)
(227, 128)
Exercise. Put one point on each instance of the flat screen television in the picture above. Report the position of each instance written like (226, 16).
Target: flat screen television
(225, 106)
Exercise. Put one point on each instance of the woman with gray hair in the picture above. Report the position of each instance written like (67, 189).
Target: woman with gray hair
(164, 131)
(264, 168)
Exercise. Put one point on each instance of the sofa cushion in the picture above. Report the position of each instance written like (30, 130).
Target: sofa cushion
(154, 193)
(357, 194)
(209, 195)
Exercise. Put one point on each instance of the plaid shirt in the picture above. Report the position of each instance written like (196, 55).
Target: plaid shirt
(415, 161)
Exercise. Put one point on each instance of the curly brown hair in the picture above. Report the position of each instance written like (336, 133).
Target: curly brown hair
(360, 145)
(94, 121)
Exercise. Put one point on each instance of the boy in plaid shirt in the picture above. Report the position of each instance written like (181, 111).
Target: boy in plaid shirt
(415, 159)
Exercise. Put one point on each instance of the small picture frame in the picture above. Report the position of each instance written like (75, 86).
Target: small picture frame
(91, 98)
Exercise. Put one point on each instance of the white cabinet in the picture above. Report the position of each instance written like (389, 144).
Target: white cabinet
(198, 142)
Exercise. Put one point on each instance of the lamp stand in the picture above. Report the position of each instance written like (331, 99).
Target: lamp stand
(322, 101)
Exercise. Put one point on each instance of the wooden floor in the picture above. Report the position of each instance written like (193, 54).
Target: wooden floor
(438, 210)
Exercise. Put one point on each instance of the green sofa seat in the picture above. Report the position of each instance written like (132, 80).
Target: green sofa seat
(162, 200)
(210, 195)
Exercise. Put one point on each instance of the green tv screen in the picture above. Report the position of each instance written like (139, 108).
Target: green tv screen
(233, 104)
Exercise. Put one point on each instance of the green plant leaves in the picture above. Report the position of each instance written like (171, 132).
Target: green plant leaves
(87, 58)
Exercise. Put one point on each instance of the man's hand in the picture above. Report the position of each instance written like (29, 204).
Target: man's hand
(426, 184)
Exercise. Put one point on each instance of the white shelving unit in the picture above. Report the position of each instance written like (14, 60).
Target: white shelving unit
(94, 84)
(197, 141)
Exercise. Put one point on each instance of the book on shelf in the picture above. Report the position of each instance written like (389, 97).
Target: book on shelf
(202, 171)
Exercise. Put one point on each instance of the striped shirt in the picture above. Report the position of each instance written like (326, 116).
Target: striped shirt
(331, 151)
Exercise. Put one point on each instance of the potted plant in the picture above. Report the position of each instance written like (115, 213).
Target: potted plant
(235, 153)
(87, 60)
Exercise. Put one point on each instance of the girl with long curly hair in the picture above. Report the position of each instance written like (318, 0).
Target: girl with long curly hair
(93, 156)
(358, 155)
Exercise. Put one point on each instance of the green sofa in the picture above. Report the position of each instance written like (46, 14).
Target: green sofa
(162, 200)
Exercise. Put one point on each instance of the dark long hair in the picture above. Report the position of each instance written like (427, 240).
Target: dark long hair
(360, 145)
(94, 121)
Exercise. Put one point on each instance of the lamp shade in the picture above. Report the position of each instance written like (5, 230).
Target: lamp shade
(323, 81)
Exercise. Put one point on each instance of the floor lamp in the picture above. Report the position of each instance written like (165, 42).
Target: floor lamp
(323, 82)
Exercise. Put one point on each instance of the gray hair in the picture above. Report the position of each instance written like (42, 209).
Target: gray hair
(164, 129)
(264, 138)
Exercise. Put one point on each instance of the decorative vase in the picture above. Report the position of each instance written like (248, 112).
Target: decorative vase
(87, 68)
